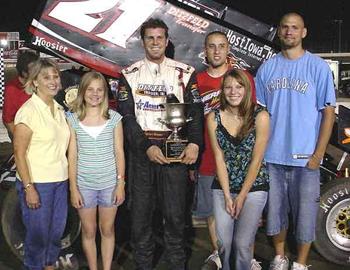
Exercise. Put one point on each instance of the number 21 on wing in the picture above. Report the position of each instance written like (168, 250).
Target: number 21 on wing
(112, 20)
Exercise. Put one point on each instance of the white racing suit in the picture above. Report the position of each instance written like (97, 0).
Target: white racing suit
(142, 88)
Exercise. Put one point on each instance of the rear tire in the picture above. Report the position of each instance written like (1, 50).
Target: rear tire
(333, 222)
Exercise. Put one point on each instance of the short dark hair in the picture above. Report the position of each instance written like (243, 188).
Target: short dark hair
(24, 59)
(293, 13)
(154, 23)
(216, 32)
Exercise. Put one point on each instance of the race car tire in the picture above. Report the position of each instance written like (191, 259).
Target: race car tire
(333, 222)
(14, 230)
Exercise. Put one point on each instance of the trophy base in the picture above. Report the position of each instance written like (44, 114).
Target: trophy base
(173, 149)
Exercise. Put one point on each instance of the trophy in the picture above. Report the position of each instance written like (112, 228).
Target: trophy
(175, 119)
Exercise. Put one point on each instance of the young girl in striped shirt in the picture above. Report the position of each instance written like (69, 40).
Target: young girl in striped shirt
(96, 166)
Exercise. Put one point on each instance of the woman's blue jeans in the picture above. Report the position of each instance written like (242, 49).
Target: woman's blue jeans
(45, 225)
(238, 234)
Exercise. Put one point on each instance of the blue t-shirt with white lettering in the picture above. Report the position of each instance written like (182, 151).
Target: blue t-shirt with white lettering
(294, 93)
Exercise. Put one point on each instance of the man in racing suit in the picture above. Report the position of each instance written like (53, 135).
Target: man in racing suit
(142, 89)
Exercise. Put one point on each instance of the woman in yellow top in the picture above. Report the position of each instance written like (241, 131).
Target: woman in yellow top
(41, 139)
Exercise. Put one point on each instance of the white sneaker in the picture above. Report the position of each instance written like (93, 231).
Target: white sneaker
(68, 262)
(279, 263)
(298, 266)
(255, 265)
(212, 262)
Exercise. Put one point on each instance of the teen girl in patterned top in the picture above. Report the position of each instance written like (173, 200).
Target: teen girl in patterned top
(238, 133)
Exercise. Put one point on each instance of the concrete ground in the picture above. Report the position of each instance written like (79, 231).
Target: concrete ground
(198, 248)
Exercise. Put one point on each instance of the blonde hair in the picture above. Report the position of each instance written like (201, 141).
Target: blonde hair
(246, 107)
(79, 105)
(35, 70)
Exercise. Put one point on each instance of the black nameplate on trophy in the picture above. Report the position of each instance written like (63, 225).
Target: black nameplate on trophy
(174, 148)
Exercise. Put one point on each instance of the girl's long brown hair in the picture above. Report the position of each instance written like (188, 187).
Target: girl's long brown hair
(79, 106)
(246, 107)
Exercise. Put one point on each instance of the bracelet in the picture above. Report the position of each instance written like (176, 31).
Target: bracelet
(121, 181)
(27, 186)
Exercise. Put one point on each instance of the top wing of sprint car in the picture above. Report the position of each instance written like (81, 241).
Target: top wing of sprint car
(104, 34)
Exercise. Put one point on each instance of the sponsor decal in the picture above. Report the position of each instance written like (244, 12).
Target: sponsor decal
(195, 94)
(327, 204)
(187, 69)
(53, 45)
(247, 46)
(74, 51)
(211, 100)
(122, 94)
(148, 106)
(152, 90)
(128, 71)
(188, 20)
(10, 54)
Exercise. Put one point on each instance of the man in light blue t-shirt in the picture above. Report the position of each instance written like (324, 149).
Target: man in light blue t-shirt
(298, 91)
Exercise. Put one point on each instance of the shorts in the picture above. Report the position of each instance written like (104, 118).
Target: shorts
(294, 190)
(203, 205)
(93, 198)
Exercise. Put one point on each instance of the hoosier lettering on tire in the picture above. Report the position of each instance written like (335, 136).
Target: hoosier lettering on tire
(333, 222)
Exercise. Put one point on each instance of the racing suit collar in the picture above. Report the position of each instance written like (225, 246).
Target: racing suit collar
(155, 69)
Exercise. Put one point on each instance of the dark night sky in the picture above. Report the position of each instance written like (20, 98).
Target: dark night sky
(319, 15)
(16, 15)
